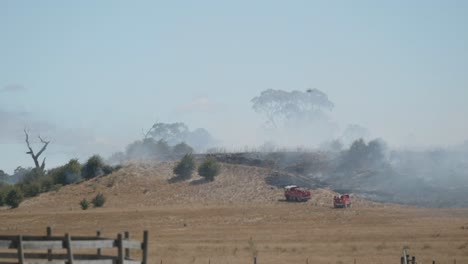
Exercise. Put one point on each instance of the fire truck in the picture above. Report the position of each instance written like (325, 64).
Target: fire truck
(296, 193)
(342, 201)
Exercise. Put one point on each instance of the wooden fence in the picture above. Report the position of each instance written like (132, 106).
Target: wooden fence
(406, 259)
(15, 249)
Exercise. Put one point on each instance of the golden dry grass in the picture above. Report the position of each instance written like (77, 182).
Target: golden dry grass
(238, 216)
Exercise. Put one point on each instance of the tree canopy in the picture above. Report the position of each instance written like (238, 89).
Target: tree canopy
(175, 133)
(279, 105)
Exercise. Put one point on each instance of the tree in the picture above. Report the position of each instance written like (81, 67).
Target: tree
(32, 176)
(185, 167)
(47, 184)
(140, 149)
(14, 197)
(162, 148)
(209, 169)
(171, 133)
(4, 177)
(200, 139)
(147, 149)
(93, 167)
(19, 174)
(278, 105)
(35, 157)
(182, 149)
(69, 173)
(364, 156)
(176, 133)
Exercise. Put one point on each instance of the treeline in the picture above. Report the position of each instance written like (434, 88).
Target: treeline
(151, 149)
(32, 182)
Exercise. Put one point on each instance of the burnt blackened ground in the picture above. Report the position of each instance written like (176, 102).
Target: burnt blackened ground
(375, 180)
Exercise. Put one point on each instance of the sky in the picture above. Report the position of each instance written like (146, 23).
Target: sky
(91, 75)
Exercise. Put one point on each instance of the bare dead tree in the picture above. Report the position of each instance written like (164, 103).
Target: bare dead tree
(35, 157)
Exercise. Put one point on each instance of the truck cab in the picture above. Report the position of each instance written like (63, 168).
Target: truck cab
(296, 193)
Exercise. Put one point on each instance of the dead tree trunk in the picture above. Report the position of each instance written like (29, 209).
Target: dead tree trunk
(35, 157)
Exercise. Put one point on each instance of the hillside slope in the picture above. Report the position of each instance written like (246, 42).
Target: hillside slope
(146, 185)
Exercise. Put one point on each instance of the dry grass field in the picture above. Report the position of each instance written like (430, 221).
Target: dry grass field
(239, 216)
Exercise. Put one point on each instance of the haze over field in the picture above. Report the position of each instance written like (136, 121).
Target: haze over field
(90, 76)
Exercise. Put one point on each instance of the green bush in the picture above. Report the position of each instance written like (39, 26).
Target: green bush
(14, 197)
(84, 204)
(162, 148)
(185, 167)
(2, 199)
(47, 184)
(32, 175)
(93, 167)
(32, 189)
(209, 169)
(182, 149)
(3, 193)
(99, 200)
(67, 174)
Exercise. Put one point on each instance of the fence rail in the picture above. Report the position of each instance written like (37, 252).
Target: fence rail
(21, 244)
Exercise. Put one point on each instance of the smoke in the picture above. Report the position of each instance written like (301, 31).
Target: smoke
(65, 143)
(353, 132)
(295, 118)
(13, 123)
(431, 177)
(13, 88)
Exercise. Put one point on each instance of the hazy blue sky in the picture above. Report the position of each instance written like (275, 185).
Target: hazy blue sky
(90, 75)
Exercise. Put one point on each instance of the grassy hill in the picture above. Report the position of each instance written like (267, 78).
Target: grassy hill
(240, 215)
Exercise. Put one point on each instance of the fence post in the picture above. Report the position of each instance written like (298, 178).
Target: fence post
(413, 260)
(20, 250)
(98, 234)
(120, 249)
(127, 250)
(69, 248)
(145, 248)
(402, 260)
(49, 251)
(255, 259)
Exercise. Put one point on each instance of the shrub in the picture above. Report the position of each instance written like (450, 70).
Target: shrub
(66, 174)
(84, 204)
(182, 149)
(209, 169)
(32, 175)
(14, 197)
(93, 167)
(32, 189)
(185, 167)
(47, 184)
(162, 148)
(3, 193)
(99, 200)
(2, 199)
